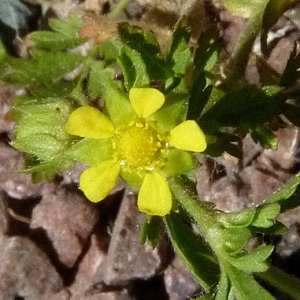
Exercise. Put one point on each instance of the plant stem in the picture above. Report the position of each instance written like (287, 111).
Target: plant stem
(238, 62)
(282, 281)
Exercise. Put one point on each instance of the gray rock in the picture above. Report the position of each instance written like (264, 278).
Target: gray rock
(68, 219)
(127, 258)
(25, 270)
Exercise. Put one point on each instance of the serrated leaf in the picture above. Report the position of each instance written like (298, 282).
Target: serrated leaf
(179, 55)
(253, 261)
(205, 58)
(193, 251)
(44, 68)
(64, 35)
(248, 105)
(147, 46)
(265, 215)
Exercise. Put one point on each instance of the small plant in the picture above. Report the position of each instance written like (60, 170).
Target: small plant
(135, 126)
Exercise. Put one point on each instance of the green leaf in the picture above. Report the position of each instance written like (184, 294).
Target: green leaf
(193, 251)
(147, 46)
(205, 58)
(3, 53)
(110, 50)
(44, 68)
(64, 35)
(179, 55)
(151, 230)
(245, 287)
(41, 126)
(265, 215)
(253, 261)
(248, 105)
(91, 151)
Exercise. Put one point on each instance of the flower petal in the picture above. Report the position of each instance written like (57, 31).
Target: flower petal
(98, 181)
(88, 121)
(146, 101)
(155, 197)
(188, 136)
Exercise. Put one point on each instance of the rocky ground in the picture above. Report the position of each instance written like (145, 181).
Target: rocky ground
(54, 244)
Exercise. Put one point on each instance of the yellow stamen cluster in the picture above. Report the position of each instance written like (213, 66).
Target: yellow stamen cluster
(138, 146)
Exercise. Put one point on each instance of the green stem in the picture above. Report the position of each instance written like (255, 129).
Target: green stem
(238, 62)
(206, 220)
(282, 281)
(118, 9)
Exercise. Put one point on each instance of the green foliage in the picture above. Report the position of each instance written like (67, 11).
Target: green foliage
(57, 81)
(64, 35)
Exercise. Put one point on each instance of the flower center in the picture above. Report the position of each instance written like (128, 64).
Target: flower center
(138, 146)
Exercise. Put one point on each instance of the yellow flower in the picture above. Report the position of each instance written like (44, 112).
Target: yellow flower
(136, 147)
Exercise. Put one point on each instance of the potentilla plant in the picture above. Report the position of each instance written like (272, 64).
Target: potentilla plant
(148, 126)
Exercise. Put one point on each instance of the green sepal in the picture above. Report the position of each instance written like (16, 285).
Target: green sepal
(117, 103)
(132, 177)
(193, 251)
(178, 162)
(151, 229)
(172, 113)
(64, 35)
(91, 151)
(253, 261)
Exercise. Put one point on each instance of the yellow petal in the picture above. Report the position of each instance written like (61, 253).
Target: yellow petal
(88, 121)
(146, 101)
(98, 181)
(188, 136)
(155, 197)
